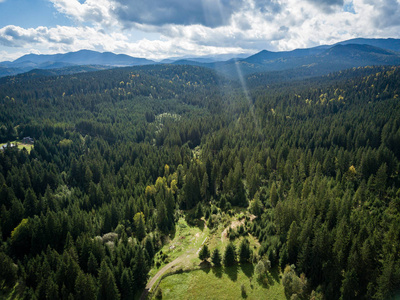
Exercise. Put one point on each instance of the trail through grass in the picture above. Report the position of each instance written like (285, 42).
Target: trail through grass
(222, 283)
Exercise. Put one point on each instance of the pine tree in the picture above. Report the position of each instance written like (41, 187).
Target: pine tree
(204, 253)
(204, 187)
(244, 251)
(229, 255)
(126, 285)
(140, 268)
(30, 203)
(92, 265)
(85, 287)
(216, 258)
(273, 195)
(107, 287)
(8, 272)
(140, 229)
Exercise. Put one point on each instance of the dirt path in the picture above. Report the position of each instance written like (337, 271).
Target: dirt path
(186, 256)
(172, 264)
(234, 225)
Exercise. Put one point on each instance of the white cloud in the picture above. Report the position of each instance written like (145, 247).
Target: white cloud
(246, 26)
(65, 39)
(95, 11)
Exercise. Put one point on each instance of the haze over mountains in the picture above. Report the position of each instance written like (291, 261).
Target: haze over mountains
(310, 61)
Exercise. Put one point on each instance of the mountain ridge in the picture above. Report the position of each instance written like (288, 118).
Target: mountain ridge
(323, 58)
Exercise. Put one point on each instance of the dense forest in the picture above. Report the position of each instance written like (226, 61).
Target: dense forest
(120, 154)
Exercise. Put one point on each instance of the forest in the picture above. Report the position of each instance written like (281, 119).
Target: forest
(119, 155)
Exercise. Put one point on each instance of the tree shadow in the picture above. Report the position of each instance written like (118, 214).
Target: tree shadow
(205, 266)
(217, 271)
(172, 233)
(274, 274)
(200, 224)
(192, 221)
(247, 269)
(263, 283)
(232, 272)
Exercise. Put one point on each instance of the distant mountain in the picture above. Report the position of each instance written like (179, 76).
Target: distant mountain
(312, 61)
(389, 44)
(265, 56)
(60, 61)
(204, 59)
(86, 57)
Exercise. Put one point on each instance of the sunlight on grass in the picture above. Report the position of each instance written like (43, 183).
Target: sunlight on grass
(221, 283)
(186, 241)
(28, 147)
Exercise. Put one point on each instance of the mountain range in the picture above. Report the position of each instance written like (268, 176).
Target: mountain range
(313, 61)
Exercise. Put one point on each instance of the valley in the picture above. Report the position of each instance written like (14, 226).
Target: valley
(292, 185)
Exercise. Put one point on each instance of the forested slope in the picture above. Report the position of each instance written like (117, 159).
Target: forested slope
(117, 153)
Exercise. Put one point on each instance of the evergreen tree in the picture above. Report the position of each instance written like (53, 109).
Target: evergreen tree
(244, 251)
(229, 255)
(85, 287)
(204, 253)
(140, 229)
(126, 285)
(92, 265)
(8, 272)
(140, 268)
(30, 203)
(273, 195)
(107, 287)
(216, 258)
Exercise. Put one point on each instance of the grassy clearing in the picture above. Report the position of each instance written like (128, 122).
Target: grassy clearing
(186, 241)
(222, 283)
(20, 146)
(211, 283)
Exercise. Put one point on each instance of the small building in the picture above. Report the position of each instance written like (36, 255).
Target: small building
(3, 147)
(28, 140)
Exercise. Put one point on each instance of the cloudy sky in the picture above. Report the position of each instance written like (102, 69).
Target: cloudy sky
(158, 29)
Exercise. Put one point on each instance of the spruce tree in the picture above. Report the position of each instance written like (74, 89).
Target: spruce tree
(107, 287)
(244, 251)
(229, 255)
(204, 253)
(216, 258)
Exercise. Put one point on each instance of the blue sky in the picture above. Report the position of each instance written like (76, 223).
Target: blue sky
(158, 29)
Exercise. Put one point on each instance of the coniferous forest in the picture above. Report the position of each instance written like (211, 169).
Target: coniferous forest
(120, 155)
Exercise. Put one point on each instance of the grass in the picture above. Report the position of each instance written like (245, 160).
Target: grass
(186, 240)
(21, 146)
(222, 283)
(211, 283)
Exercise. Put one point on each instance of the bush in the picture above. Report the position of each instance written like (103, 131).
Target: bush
(292, 283)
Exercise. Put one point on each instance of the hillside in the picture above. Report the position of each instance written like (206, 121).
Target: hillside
(295, 183)
(313, 61)
(60, 62)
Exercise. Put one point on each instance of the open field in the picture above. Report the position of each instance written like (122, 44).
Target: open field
(209, 282)
(185, 243)
(20, 146)
(221, 283)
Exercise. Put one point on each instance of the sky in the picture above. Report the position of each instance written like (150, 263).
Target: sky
(158, 29)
